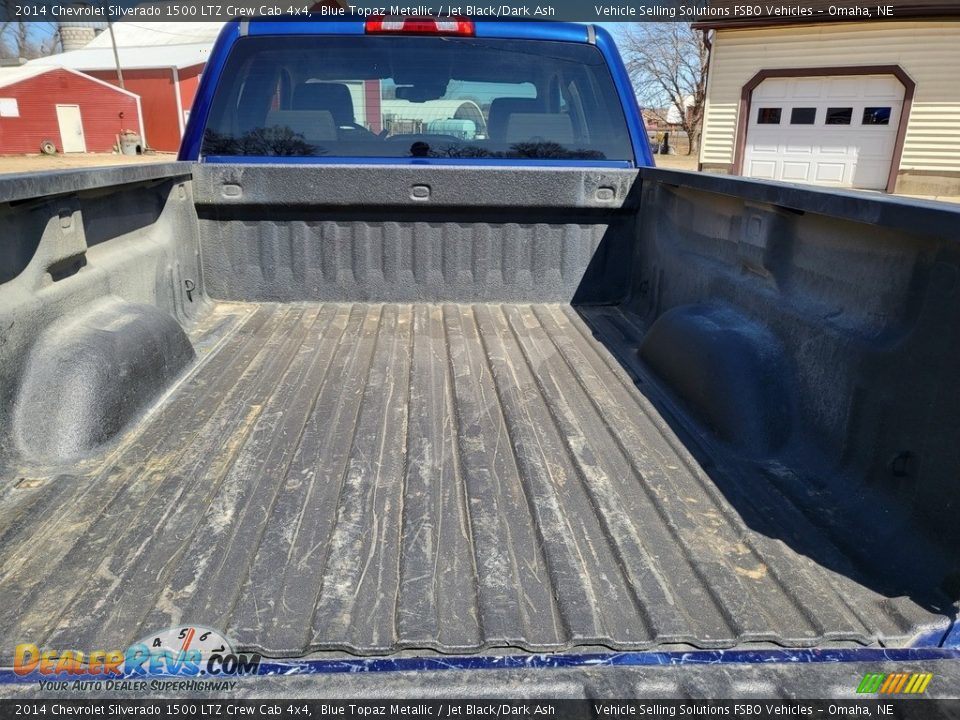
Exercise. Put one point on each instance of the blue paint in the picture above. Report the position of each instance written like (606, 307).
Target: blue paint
(473, 162)
(535, 30)
(556, 31)
(952, 638)
(193, 134)
(591, 660)
(305, 27)
(628, 98)
(560, 660)
(947, 637)
(931, 638)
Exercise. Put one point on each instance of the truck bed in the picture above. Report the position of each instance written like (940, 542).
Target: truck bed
(373, 478)
(539, 410)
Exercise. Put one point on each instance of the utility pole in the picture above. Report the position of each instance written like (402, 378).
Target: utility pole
(116, 55)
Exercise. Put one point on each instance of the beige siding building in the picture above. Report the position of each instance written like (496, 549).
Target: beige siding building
(869, 104)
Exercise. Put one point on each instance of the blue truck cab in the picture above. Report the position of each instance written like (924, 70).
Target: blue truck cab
(419, 91)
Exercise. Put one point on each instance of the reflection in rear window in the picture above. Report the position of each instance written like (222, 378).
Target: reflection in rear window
(803, 116)
(768, 116)
(434, 97)
(839, 116)
(876, 116)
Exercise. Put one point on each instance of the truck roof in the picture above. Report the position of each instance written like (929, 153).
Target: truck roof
(527, 30)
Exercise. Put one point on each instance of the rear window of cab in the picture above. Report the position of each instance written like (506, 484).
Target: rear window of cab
(415, 96)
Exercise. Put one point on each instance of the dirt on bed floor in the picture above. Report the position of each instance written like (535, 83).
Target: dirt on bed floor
(382, 478)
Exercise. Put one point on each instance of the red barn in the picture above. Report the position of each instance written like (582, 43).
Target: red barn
(166, 95)
(76, 112)
(161, 62)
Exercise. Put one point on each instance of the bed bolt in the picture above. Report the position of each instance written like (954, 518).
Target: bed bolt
(190, 286)
(902, 464)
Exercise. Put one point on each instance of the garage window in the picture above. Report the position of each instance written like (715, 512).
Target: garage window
(803, 116)
(876, 116)
(839, 115)
(768, 116)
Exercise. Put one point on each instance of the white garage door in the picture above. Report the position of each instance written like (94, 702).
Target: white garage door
(838, 131)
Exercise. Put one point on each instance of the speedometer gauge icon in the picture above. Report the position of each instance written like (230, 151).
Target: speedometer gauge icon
(179, 641)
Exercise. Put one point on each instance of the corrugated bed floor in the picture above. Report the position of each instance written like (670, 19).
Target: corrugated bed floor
(373, 478)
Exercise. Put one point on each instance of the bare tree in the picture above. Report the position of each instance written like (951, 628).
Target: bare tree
(26, 39)
(668, 65)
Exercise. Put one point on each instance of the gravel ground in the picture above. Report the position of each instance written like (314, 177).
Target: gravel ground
(676, 162)
(40, 163)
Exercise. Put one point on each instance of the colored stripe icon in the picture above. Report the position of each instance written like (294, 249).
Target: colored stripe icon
(895, 683)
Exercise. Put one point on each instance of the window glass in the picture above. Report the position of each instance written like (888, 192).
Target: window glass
(839, 116)
(876, 116)
(803, 116)
(768, 116)
(416, 96)
(9, 107)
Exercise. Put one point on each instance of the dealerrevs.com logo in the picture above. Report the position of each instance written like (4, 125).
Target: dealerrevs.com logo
(189, 651)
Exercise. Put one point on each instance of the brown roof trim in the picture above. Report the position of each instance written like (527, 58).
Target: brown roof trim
(766, 24)
(746, 98)
(920, 11)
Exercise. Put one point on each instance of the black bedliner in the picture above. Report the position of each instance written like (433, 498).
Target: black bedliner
(421, 410)
(371, 478)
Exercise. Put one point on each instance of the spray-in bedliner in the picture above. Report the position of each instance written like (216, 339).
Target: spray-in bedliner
(374, 478)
